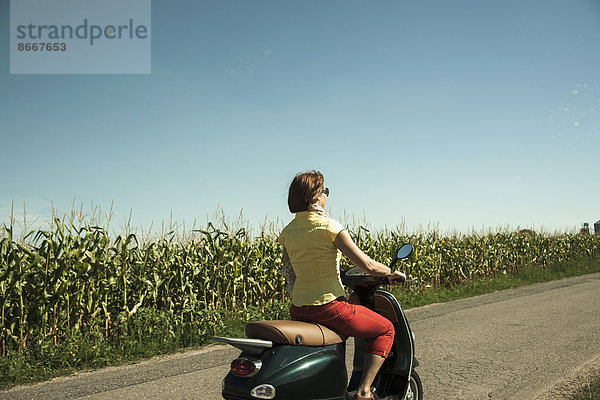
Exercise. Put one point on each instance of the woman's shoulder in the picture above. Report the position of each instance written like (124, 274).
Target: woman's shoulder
(328, 223)
(291, 226)
(335, 226)
(310, 220)
(283, 232)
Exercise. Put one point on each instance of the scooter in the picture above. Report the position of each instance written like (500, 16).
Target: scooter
(295, 360)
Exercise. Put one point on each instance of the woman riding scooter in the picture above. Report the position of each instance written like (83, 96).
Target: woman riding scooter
(312, 248)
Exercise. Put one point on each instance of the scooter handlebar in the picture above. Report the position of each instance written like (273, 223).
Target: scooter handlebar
(402, 280)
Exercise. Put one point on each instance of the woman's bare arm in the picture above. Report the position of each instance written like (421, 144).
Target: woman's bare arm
(346, 245)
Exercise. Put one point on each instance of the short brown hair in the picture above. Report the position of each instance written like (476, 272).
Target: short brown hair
(305, 190)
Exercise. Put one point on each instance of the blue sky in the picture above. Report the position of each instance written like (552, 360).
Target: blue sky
(458, 114)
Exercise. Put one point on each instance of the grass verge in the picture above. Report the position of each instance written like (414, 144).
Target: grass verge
(590, 391)
(411, 297)
(149, 332)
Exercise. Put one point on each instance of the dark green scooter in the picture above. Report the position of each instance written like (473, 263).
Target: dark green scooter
(295, 360)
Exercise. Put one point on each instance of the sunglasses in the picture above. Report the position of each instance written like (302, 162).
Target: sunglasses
(326, 192)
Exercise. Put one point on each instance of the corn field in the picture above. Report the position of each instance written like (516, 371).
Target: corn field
(70, 277)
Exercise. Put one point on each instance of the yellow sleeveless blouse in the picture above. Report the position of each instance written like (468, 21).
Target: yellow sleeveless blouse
(308, 240)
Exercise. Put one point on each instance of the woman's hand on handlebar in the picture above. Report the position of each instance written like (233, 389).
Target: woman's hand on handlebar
(396, 277)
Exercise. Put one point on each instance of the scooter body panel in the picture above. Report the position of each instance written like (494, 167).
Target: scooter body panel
(296, 372)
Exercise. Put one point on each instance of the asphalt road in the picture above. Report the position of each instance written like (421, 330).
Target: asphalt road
(536, 342)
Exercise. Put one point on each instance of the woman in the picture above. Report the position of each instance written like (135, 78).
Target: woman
(312, 245)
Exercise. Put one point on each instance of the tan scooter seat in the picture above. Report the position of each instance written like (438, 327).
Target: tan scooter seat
(293, 332)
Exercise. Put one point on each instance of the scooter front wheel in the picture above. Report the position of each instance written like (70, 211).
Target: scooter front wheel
(414, 392)
(415, 389)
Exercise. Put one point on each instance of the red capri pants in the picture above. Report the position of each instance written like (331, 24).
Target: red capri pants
(350, 320)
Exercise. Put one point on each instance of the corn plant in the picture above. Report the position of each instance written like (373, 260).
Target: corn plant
(70, 277)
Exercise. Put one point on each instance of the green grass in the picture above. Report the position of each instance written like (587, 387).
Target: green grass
(148, 333)
(416, 296)
(590, 391)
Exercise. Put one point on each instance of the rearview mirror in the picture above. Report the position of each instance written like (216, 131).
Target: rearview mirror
(405, 251)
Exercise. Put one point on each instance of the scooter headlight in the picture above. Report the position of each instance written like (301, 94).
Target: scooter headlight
(263, 392)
